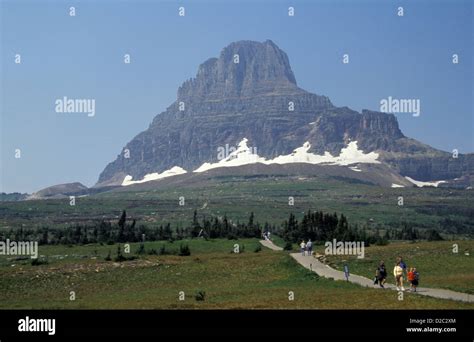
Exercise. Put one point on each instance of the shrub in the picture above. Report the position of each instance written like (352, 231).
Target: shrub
(38, 262)
(163, 250)
(120, 257)
(433, 235)
(184, 250)
(200, 296)
(258, 248)
(288, 246)
(108, 258)
(381, 241)
(232, 236)
(141, 249)
(152, 252)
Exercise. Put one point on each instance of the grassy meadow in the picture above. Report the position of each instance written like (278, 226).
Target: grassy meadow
(251, 279)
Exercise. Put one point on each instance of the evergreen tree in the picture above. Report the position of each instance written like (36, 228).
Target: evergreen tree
(195, 226)
(121, 224)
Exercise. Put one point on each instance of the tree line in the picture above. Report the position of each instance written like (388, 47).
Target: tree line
(314, 225)
(319, 227)
(127, 230)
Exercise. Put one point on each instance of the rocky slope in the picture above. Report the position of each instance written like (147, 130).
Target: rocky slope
(60, 191)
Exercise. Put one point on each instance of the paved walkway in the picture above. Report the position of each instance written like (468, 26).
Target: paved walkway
(324, 270)
(271, 245)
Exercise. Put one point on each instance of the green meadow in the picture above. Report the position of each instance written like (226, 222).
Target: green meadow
(212, 277)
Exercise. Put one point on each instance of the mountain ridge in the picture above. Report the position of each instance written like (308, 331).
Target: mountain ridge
(250, 91)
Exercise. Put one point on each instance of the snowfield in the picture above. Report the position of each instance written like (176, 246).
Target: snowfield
(176, 170)
(422, 184)
(243, 155)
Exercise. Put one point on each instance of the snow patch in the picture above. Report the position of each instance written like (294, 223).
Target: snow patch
(243, 156)
(397, 185)
(422, 184)
(355, 168)
(174, 171)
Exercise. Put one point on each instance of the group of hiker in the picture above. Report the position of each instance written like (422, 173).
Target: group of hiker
(266, 235)
(306, 248)
(399, 272)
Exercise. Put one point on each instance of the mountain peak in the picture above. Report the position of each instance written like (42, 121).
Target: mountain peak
(246, 92)
(244, 68)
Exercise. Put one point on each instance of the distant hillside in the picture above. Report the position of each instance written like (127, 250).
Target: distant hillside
(14, 196)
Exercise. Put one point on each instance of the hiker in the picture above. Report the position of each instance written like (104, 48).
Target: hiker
(268, 236)
(380, 275)
(346, 272)
(309, 247)
(398, 274)
(303, 247)
(415, 277)
(403, 265)
(410, 277)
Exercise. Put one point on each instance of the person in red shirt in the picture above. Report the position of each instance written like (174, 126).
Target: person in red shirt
(411, 278)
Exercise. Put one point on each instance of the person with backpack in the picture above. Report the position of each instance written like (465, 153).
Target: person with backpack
(416, 277)
(380, 275)
(309, 247)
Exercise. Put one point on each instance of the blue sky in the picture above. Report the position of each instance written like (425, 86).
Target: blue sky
(82, 57)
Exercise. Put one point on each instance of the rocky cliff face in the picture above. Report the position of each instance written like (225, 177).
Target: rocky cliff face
(243, 69)
(251, 92)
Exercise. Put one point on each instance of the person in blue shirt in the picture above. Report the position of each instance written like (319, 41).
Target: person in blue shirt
(346, 272)
(402, 264)
(309, 247)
